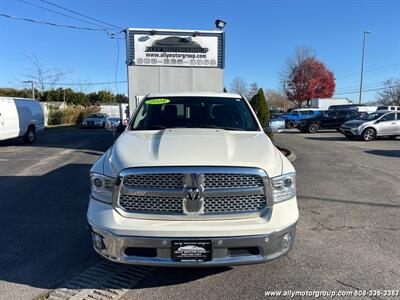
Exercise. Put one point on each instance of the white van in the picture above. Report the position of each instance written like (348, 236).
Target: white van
(20, 117)
(396, 108)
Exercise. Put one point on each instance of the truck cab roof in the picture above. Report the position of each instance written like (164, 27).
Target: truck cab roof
(194, 94)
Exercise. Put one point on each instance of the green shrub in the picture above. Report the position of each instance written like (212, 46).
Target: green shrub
(54, 117)
(261, 108)
(70, 115)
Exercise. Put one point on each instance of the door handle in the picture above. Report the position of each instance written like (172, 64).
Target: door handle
(394, 123)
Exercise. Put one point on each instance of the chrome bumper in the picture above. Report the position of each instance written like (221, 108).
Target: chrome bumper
(227, 251)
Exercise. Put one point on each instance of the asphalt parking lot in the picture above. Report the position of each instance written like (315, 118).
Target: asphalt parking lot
(348, 234)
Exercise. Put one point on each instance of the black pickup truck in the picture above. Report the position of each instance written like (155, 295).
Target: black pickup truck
(331, 119)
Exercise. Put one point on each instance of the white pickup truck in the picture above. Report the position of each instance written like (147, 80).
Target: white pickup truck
(193, 181)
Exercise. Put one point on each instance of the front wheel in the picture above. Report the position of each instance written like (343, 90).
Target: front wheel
(290, 124)
(369, 134)
(30, 135)
(313, 128)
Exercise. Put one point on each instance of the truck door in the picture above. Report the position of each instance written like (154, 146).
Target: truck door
(342, 116)
(9, 123)
(328, 119)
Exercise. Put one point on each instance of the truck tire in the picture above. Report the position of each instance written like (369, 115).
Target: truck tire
(313, 128)
(30, 135)
(369, 134)
(290, 124)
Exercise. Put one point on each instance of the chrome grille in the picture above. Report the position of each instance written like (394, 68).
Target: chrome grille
(212, 205)
(218, 181)
(164, 181)
(233, 204)
(152, 204)
(223, 192)
(175, 181)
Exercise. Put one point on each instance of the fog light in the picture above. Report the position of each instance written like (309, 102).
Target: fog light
(98, 182)
(98, 241)
(287, 240)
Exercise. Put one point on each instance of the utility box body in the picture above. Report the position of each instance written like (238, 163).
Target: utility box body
(164, 60)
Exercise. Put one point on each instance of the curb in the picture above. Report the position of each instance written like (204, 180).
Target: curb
(291, 156)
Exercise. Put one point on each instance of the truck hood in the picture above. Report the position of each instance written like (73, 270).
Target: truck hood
(194, 147)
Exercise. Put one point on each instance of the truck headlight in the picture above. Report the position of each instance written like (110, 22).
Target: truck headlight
(102, 187)
(283, 187)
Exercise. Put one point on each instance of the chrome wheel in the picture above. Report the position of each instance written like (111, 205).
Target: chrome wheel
(369, 134)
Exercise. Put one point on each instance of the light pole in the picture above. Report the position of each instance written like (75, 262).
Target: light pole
(33, 88)
(362, 65)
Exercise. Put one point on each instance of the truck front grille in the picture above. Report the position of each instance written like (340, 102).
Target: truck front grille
(163, 181)
(217, 205)
(153, 205)
(173, 205)
(175, 181)
(220, 191)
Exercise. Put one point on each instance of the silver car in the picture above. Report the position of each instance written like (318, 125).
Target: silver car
(380, 123)
(95, 120)
(277, 124)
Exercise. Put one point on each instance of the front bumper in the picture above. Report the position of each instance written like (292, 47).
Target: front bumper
(263, 233)
(227, 251)
(348, 131)
(277, 127)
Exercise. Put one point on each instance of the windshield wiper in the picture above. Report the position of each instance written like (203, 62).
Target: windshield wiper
(224, 128)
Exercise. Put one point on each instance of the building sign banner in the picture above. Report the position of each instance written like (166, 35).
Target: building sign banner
(175, 50)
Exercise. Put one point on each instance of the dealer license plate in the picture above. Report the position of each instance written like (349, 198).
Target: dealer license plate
(191, 251)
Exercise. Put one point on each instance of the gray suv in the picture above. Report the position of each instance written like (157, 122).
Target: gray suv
(380, 123)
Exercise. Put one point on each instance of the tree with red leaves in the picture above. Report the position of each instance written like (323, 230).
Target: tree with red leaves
(305, 78)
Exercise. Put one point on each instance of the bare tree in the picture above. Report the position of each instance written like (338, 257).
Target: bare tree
(82, 85)
(239, 85)
(253, 90)
(277, 99)
(44, 78)
(298, 57)
(391, 92)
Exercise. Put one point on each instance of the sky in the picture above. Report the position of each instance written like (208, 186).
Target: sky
(260, 36)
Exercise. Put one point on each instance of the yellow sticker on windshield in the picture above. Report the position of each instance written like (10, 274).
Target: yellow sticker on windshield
(157, 101)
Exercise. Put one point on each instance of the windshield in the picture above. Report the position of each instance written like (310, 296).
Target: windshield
(194, 112)
(372, 116)
(95, 116)
(293, 113)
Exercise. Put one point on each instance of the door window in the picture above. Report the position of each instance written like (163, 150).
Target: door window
(331, 114)
(388, 117)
